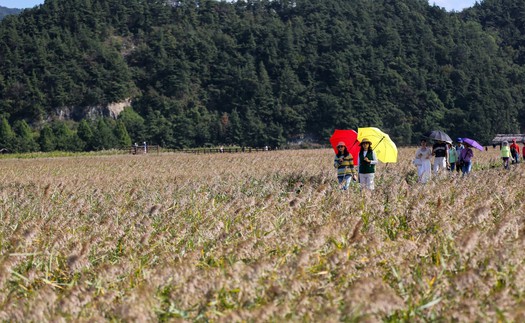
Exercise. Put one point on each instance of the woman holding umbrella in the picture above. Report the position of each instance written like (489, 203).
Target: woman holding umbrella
(366, 164)
(465, 158)
(344, 162)
(466, 155)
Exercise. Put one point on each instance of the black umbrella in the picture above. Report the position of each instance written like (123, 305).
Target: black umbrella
(439, 136)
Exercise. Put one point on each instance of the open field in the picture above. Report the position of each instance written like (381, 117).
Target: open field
(257, 237)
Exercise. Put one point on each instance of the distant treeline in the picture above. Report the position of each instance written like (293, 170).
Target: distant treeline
(260, 72)
(87, 135)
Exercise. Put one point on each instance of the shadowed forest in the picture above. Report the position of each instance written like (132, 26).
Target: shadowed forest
(256, 73)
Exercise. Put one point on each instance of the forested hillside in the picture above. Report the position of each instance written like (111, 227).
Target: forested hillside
(8, 11)
(257, 72)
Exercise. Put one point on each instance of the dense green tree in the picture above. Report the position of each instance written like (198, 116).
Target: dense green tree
(122, 136)
(134, 124)
(62, 136)
(160, 130)
(254, 130)
(275, 136)
(235, 131)
(25, 140)
(85, 134)
(7, 135)
(183, 131)
(65, 138)
(104, 138)
(47, 139)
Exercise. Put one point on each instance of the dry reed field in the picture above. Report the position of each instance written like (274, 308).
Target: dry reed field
(256, 237)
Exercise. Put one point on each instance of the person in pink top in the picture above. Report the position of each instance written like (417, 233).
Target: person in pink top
(515, 151)
(465, 158)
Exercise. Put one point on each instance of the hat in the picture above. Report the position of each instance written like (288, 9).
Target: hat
(365, 140)
(513, 139)
(341, 143)
(460, 139)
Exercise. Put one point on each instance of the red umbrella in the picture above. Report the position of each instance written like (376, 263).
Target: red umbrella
(349, 137)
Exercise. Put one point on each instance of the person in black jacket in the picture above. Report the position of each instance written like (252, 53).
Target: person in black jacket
(367, 164)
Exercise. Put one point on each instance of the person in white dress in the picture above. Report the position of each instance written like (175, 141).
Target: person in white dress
(424, 166)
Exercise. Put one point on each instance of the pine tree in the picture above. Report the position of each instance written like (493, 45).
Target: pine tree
(7, 135)
(122, 136)
(105, 139)
(63, 136)
(134, 124)
(47, 139)
(235, 134)
(85, 134)
(25, 141)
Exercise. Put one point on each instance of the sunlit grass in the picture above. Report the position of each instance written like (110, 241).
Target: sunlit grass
(257, 237)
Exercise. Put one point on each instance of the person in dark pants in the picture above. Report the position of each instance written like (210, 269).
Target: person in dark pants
(459, 148)
(515, 151)
(505, 154)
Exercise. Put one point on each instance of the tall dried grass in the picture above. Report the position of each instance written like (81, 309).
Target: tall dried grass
(257, 237)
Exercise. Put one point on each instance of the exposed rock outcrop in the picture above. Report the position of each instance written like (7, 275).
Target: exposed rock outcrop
(111, 110)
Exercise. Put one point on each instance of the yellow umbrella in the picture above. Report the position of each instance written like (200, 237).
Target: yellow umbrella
(384, 147)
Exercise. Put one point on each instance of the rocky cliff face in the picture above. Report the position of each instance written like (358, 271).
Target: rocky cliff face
(111, 110)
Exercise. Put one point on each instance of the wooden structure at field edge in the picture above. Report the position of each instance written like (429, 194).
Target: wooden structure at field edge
(225, 150)
(500, 138)
(140, 150)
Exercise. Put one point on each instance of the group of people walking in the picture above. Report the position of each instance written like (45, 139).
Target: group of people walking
(449, 157)
(445, 156)
(346, 172)
(510, 153)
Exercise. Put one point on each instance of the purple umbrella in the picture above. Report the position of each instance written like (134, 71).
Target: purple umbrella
(473, 143)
